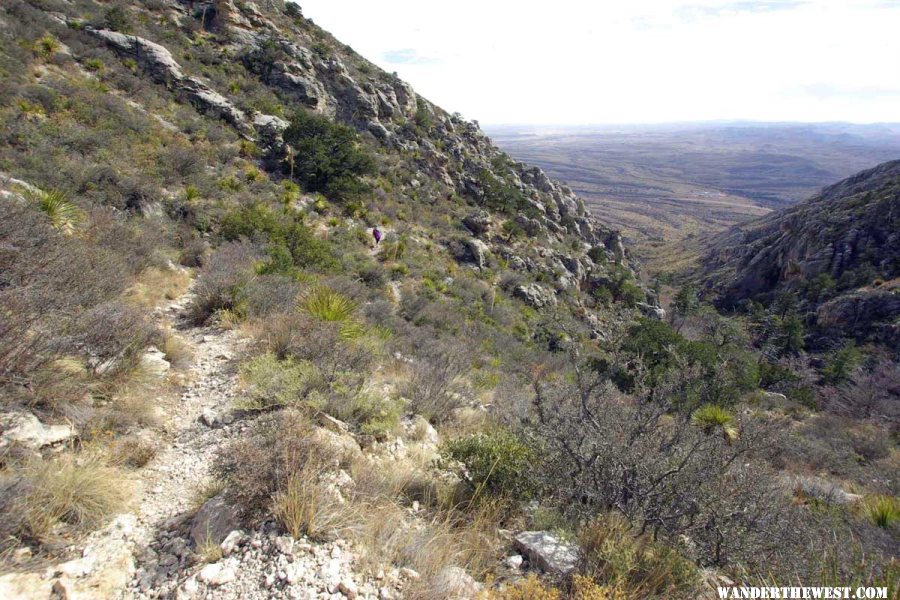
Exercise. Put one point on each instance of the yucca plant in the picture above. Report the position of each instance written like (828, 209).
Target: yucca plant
(714, 419)
(882, 511)
(64, 215)
(328, 305)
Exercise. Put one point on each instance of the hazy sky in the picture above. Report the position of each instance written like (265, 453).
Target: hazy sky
(579, 62)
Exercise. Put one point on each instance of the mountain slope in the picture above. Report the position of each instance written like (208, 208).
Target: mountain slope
(839, 251)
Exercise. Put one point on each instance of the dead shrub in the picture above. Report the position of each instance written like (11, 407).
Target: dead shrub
(434, 387)
(223, 282)
(261, 465)
(133, 452)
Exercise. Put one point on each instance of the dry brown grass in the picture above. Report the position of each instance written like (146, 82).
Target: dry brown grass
(132, 451)
(440, 536)
(208, 551)
(80, 491)
(205, 490)
(155, 286)
(308, 507)
(177, 351)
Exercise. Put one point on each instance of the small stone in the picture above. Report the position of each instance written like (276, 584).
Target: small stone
(348, 588)
(294, 573)
(385, 593)
(22, 554)
(515, 561)
(285, 544)
(58, 591)
(167, 560)
(208, 417)
(231, 542)
(409, 573)
(216, 574)
(188, 589)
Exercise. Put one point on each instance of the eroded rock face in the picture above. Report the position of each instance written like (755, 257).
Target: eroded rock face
(847, 232)
(24, 429)
(865, 313)
(158, 62)
(535, 295)
(547, 552)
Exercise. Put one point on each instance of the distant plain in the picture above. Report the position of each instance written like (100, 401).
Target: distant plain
(669, 186)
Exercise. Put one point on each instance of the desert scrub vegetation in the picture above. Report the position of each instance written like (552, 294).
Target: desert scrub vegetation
(634, 565)
(496, 462)
(327, 156)
(271, 382)
(47, 500)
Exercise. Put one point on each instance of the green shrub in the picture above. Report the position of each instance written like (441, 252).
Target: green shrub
(499, 195)
(116, 18)
(271, 382)
(327, 156)
(497, 463)
(375, 415)
(839, 364)
(291, 243)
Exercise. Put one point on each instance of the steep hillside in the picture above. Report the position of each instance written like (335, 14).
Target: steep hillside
(274, 326)
(838, 251)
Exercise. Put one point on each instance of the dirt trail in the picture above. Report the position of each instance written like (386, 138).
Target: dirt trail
(170, 482)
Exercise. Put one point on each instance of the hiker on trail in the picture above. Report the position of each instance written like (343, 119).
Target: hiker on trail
(376, 233)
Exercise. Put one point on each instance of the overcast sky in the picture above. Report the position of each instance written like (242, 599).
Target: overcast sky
(634, 61)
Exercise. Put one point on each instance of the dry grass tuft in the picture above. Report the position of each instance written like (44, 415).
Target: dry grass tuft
(155, 286)
(178, 353)
(80, 491)
(133, 452)
(306, 506)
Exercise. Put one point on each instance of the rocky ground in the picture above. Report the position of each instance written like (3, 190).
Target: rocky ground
(167, 548)
(178, 542)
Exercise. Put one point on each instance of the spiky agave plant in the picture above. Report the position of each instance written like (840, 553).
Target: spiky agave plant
(64, 215)
(327, 305)
(711, 419)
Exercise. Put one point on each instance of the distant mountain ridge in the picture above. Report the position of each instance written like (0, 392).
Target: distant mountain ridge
(839, 251)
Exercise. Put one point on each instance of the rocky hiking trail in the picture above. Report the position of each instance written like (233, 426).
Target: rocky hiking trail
(182, 540)
(169, 539)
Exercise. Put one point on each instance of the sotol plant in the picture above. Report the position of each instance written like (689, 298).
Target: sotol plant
(328, 305)
(64, 215)
(715, 419)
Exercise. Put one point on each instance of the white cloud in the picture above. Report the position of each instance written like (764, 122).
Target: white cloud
(573, 61)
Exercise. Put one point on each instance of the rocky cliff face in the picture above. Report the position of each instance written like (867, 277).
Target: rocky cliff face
(443, 155)
(839, 251)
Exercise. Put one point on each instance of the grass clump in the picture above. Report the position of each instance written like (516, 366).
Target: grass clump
(64, 215)
(613, 556)
(713, 419)
(79, 491)
(883, 511)
(307, 507)
(328, 305)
